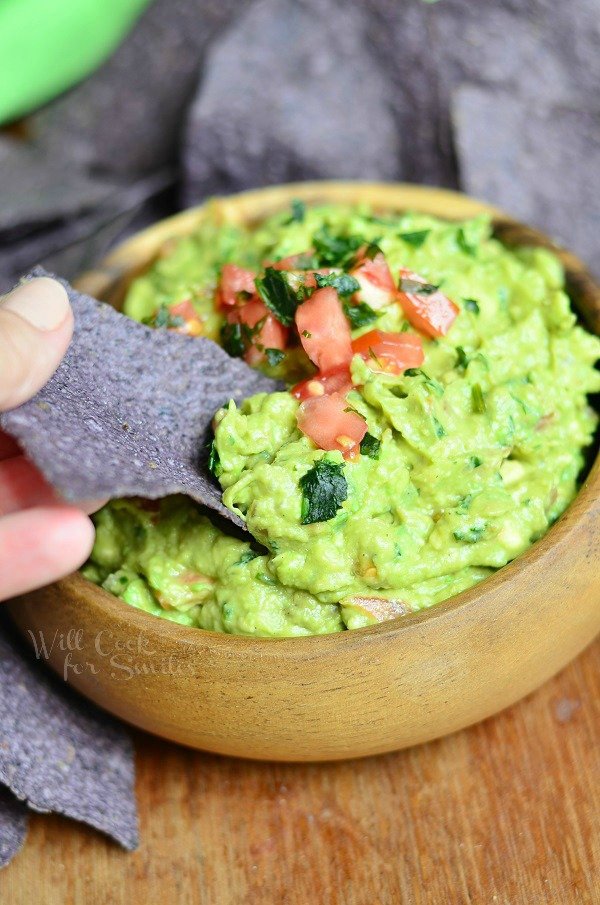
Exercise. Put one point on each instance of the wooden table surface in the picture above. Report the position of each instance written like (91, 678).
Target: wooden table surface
(507, 812)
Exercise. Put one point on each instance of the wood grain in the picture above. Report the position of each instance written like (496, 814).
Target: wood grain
(505, 813)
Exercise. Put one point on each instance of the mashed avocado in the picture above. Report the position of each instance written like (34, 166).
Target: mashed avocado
(467, 459)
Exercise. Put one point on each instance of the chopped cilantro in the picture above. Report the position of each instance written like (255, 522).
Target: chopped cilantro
(343, 283)
(266, 579)
(508, 436)
(298, 211)
(370, 446)
(335, 251)
(360, 315)
(214, 463)
(431, 382)
(464, 244)
(471, 305)
(163, 318)
(250, 332)
(324, 489)
(462, 359)
(480, 357)
(465, 503)
(372, 250)
(350, 408)
(278, 295)
(471, 535)
(248, 556)
(274, 356)
(232, 340)
(414, 287)
(477, 399)
(416, 238)
(373, 356)
(306, 334)
(527, 409)
(438, 428)
(475, 461)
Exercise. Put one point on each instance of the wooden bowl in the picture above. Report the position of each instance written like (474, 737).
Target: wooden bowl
(359, 692)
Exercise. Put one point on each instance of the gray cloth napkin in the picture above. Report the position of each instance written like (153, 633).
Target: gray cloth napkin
(58, 753)
(498, 98)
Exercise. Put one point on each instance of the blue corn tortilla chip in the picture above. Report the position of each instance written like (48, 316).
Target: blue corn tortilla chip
(128, 412)
(500, 134)
(58, 754)
(13, 826)
(313, 133)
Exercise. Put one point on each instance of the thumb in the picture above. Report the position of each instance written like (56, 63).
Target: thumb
(36, 325)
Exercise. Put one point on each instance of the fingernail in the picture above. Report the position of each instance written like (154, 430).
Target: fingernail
(41, 302)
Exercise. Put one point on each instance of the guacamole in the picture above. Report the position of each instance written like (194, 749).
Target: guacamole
(433, 429)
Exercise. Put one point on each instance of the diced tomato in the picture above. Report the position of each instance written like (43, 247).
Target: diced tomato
(253, 356)
(376, 281)
(269, 335)
(391, 352)
(324, 385)
(184, 309)
(272, 334)
(192, 325)
(250, 313)
(308, 278)
(324, 331)
(431, 312)
(233, 281)
(326, 421)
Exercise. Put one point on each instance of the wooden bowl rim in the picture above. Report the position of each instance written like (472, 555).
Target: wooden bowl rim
(403, 196)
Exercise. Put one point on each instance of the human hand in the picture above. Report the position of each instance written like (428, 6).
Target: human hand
(41, 538)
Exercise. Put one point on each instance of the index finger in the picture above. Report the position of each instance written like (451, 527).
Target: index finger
(36, 325)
